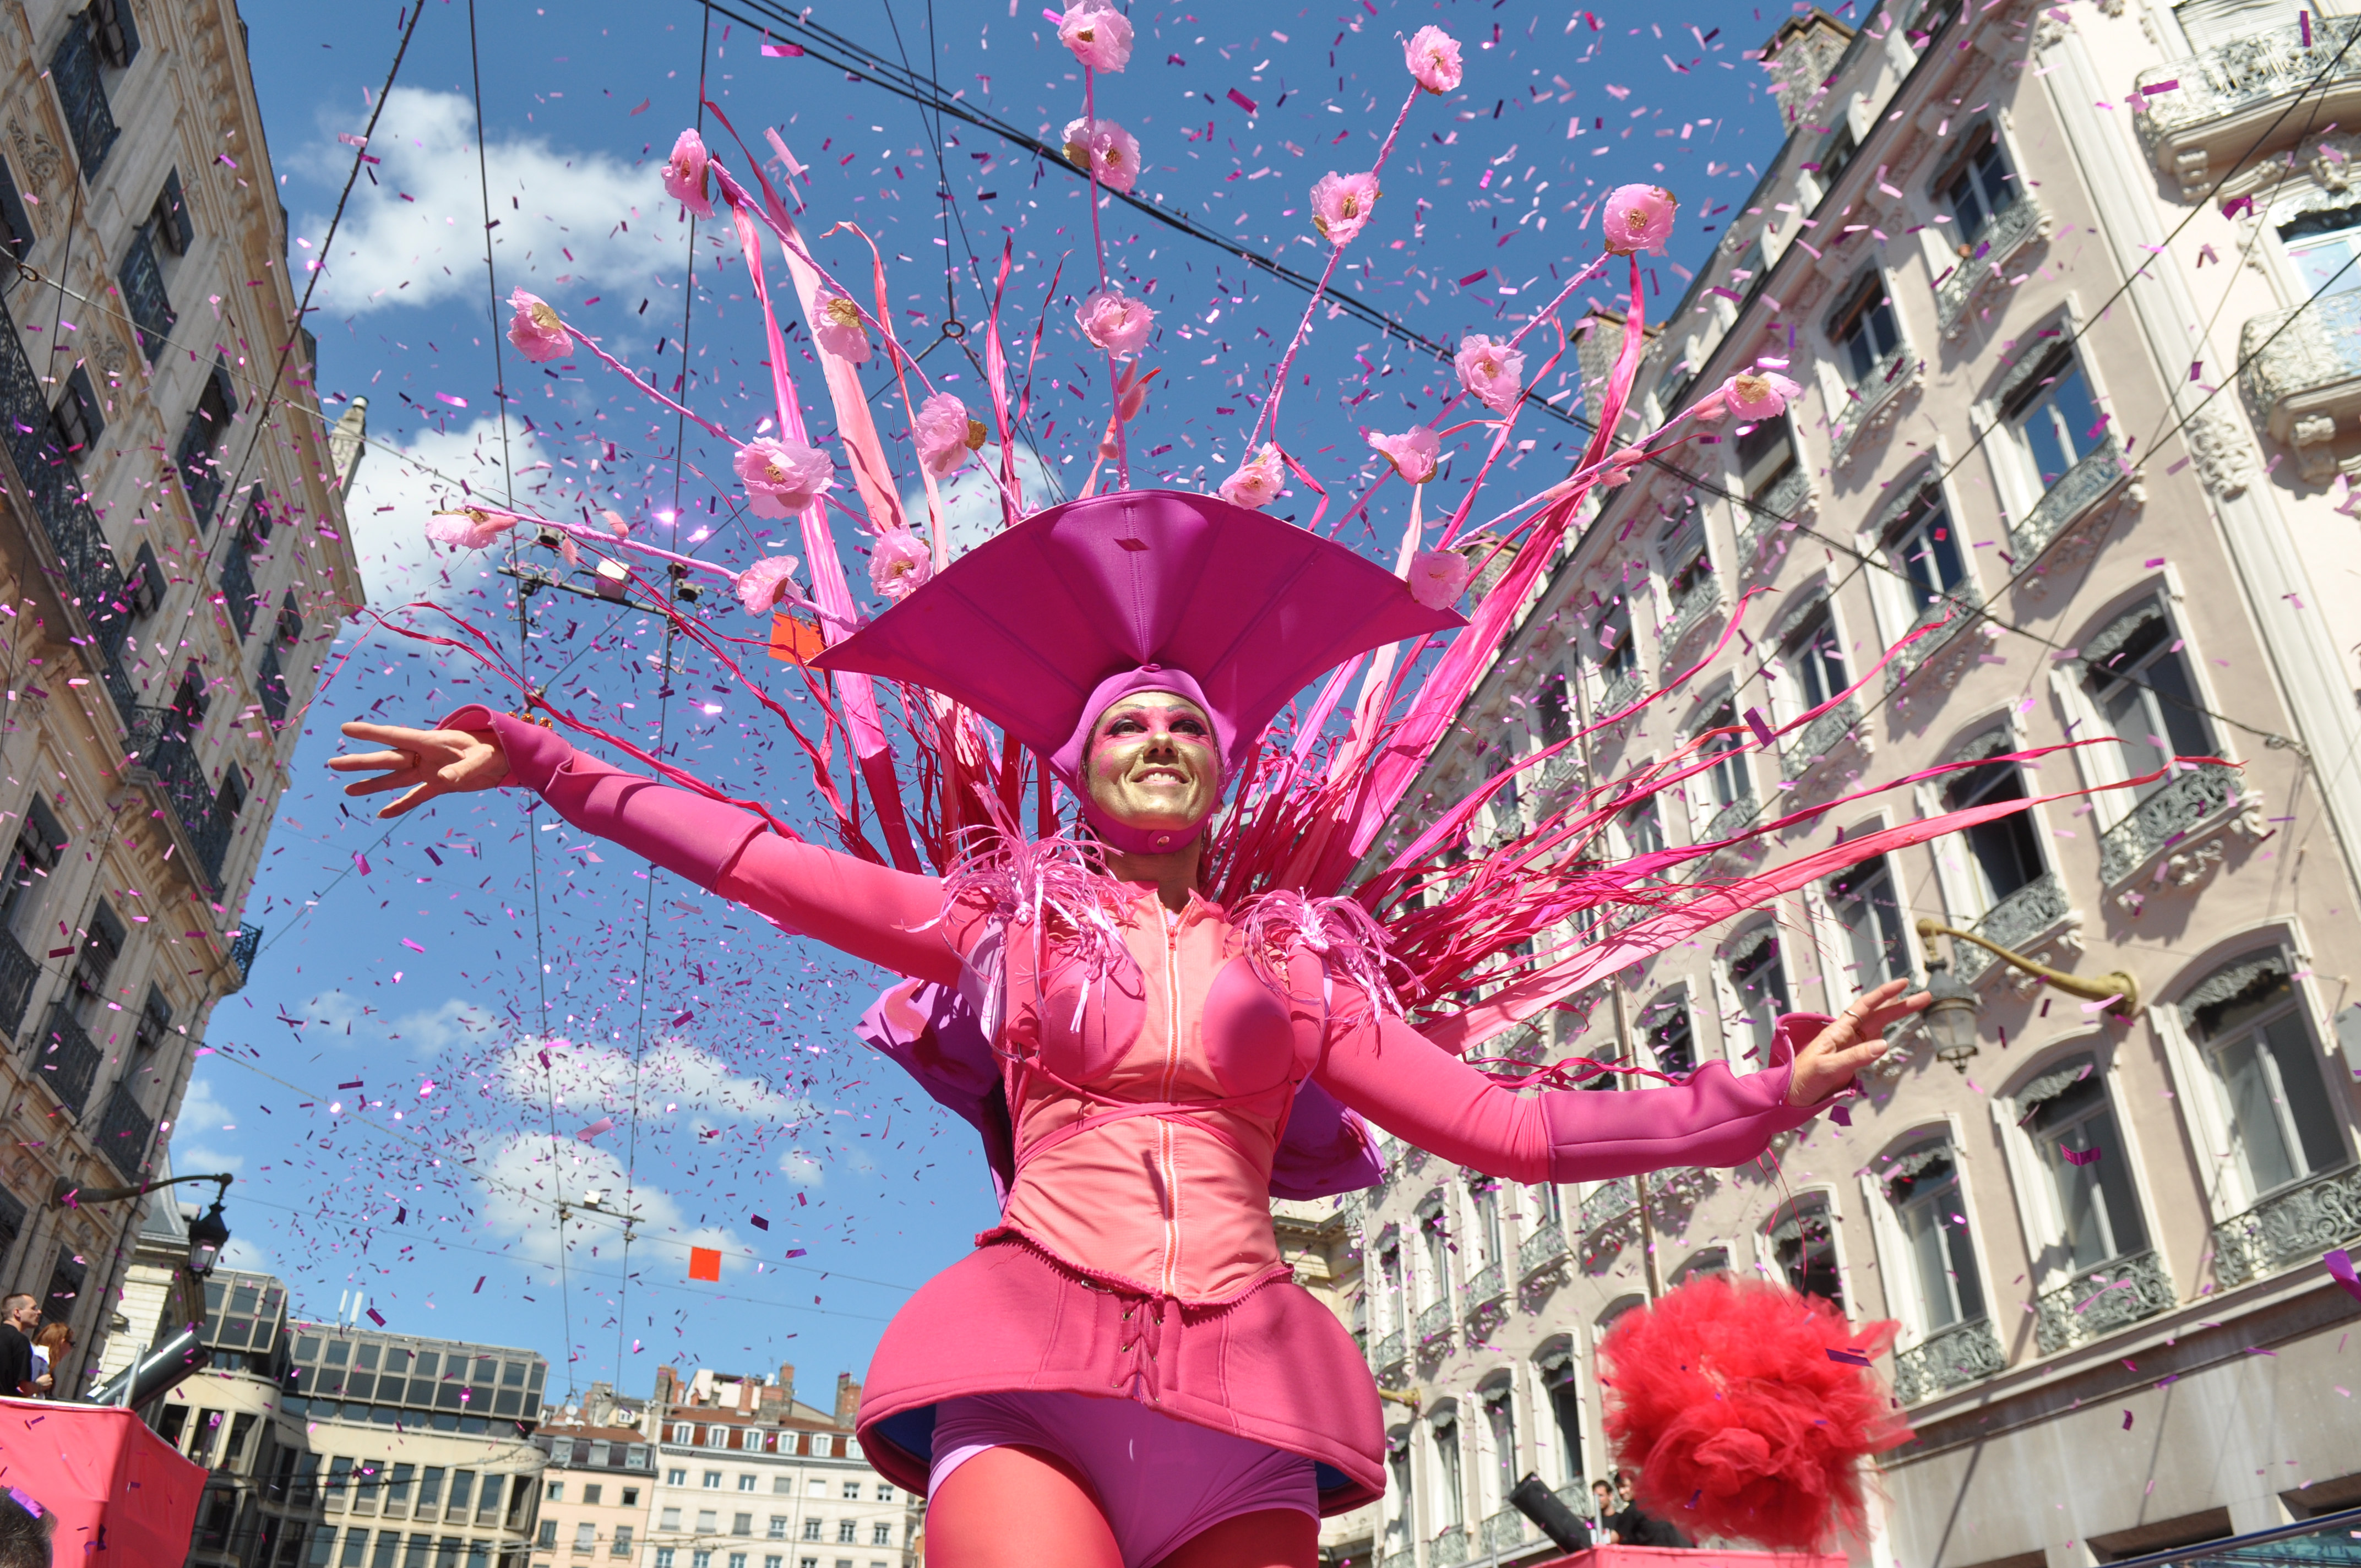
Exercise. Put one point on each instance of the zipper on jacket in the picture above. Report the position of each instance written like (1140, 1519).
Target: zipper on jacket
(1164, 1130)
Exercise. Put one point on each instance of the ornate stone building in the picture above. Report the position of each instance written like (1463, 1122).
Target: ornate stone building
(2073, 416)
(172, 561)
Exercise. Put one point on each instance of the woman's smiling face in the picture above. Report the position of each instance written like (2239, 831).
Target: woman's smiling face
(1153, 762)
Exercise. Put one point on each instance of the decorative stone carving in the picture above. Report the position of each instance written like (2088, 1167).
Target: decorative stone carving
(2314, 455)
(37, 155)
(2288, 1228)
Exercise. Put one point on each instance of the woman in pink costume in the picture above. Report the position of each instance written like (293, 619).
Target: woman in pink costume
(1122, 1372)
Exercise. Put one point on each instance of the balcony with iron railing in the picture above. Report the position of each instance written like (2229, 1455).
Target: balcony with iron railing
(125, 1131)
(1947, 1359)
(2098, 1301)
(63, 1053)
(82, 94)
(2016, 923)
(1435, 1319)
(2300, 372)
(1505, 1531)
(1692, 606)
(2011, 229)
(270, 686)
(2067, 501)
(1623, 687)
(1815, 740)
(238, 587)
(1609, 1201)
(2196, 794)
(1729, 819)
(1485, 1288)
(1950, 613)
(145, 298)
(242, 951)
(2247, 96)
(1868, 401)
(2292, 1226)
(1449, 1547)
(1538, 1250)
(1788, 497)
(1390, 1352)
(161, 751)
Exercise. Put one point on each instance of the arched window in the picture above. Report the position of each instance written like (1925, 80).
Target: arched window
(1759, 974)
(1484, 1201)
(1925, 549)
(1712, 1260)
(2004, 853)
(1402, 1493)
(1864, 331)
(1862, 901)
(1558, 1382)
(1450, 1509)
(1498, 1396)
(1923, 1186)
(2067, 1114)
(2139, 681)
(1804, 1244)
(2248, 1021)
(1672, 1040)
(1978, 187)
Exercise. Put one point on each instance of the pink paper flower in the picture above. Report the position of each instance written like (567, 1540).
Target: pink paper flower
(899, 564)
(536, 329)
(1341, 204)
(471, 528)
(1257, 481)
(1758, 394)
(1432, 56)
(1115, 322)
(1099, 35)
(944, 434)
(1106, 150)
(1493, 373)
(840, 329)
(1413, 453)
(684, 174)
(1437, 577)
(782, 476)
(1639, 217)
(761, 586)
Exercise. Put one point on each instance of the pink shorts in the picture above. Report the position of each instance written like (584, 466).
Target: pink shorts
(1159, 1480)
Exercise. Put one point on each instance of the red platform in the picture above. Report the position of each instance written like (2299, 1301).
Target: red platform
(1694, 1557)
(120, 1493)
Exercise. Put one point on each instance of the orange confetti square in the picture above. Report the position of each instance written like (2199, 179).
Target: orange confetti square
(704, 1263)
(794, 640)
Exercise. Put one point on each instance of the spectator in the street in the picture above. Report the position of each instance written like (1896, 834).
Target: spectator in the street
(50, 1348)
(24, 1529)
(1604, 1509)
(18, 1313)
(1634, 1528)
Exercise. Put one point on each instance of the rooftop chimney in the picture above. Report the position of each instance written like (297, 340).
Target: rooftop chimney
(848, 1398)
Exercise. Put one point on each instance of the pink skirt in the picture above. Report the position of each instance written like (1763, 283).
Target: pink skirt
(1273, 1367)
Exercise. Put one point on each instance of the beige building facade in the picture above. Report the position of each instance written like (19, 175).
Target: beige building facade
(173, 560)
(2072, 414)
(596, 1493)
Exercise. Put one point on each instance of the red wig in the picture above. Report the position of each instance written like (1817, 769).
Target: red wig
(1741, 1421)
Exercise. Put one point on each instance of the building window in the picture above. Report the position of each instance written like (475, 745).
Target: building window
(1449, 1479)
(742, 1524)
(1923, 549)
(1865, 331)
(811, 1529)
(621, 1546)
(1759, 974)
(1862, 903)
(668, 1520)
(1923, 1186)
(1837, 156)
(1643, 829)
(881, 1534)
(844, 1530)
(1727, 782)
(675, 1477)
(713, 1480)
(664, 1557)
(1433, 1228)
(586, 1537)
(1767, 455)
(1978, 187)
(1681, 551)
(1812, 660)
(167, 221)
(2056, 422)
(2140, 682)
(78, 421)
(15, 232)
(1805, 1246)
(2322, 246)
(2248, 1020)
(201, 438)
(547, 1539)
(778, 1527)
(2066, 1112)
(1617, 658)
(1671, 1039)
(2003, 854)
(852, 1490)
(1561, 1385)
(746, 1481)
(708, 1522)
(1500, 1418)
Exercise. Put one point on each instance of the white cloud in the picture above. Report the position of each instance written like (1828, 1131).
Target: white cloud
(414, 236)
(971, 498)
(396, 491)
(527, 1176)
(204, 1132)
(590, 1081)
(801, 1169)
(339, 1016)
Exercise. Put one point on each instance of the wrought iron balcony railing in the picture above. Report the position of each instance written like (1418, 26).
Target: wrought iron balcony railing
(159, 746)
(1882, 384)
(2007, 234)
(63, 1052)
(2098, 1301)
(1390, 1352)
(1540, 1249)
(1435, 1319)
(124, 1133)
(237, 588)
(2302, 373)
(1789, 495)
(1610, 1200)
(270, 686)
(1448, 1549)
(2066, 502)
(152, 315)
(2013, 923)
(1959, 607)
(90, 120)
(1820, 736)
(1487, 1286)
(2220, 100)
(1622, 690)
(1505, 1531)
(1951, 1358)
(1730, 819)
(242, 949)
(18, 970)
(2199, 791)
(1697, 603)
(2290, 1227)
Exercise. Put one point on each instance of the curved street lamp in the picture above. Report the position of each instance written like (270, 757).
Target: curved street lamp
(1951, 1017)
(208, 1233)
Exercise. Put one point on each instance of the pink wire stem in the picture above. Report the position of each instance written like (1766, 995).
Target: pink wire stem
(1091, 158)
(633, 377)
(1270, 409)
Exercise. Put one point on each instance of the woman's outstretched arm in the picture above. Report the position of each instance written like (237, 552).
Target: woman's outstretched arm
(1414, 1089)
(872, 912)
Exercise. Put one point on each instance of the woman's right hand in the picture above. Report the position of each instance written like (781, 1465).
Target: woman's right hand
(426, 763)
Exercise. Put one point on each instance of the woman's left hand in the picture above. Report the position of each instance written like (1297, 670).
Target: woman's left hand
(1852, 1042)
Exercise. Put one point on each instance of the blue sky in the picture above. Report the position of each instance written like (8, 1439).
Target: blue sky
(404, 1086)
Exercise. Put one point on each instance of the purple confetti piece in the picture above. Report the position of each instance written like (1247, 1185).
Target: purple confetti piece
(2340, 1268)
(1762, 731)
(1243, 101)
(377, 1317)
(2079, 1157)
(1850, 1357)
(759, 1222)
(794, 1251)
(1841, 1116)
(26, 1501)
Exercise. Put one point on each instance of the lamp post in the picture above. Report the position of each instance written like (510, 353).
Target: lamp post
(1951, 1017)
(208, 1233)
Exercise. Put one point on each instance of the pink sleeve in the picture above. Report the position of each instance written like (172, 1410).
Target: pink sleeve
(1416, 1090)
(872, 912)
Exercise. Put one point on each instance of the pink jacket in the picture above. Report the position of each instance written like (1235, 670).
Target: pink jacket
(1146, 1106)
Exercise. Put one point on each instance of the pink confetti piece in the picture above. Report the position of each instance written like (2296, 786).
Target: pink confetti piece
(642, 109)
(796, 1252)
(1243, 101)
(1476, 276)
(2339, 1264)
(783, 51)
(2079, 1157)
(2156, 87)
(454, 402)
(2238, 205)
(759, 1222)
(413, 947)
(603, 1124)
(225, 158)
(351, 141)
(2127, 1421)
(361, 862)
(2102, 1003)
(2156, 563)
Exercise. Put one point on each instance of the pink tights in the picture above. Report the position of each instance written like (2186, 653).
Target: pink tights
(1018, 1479)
